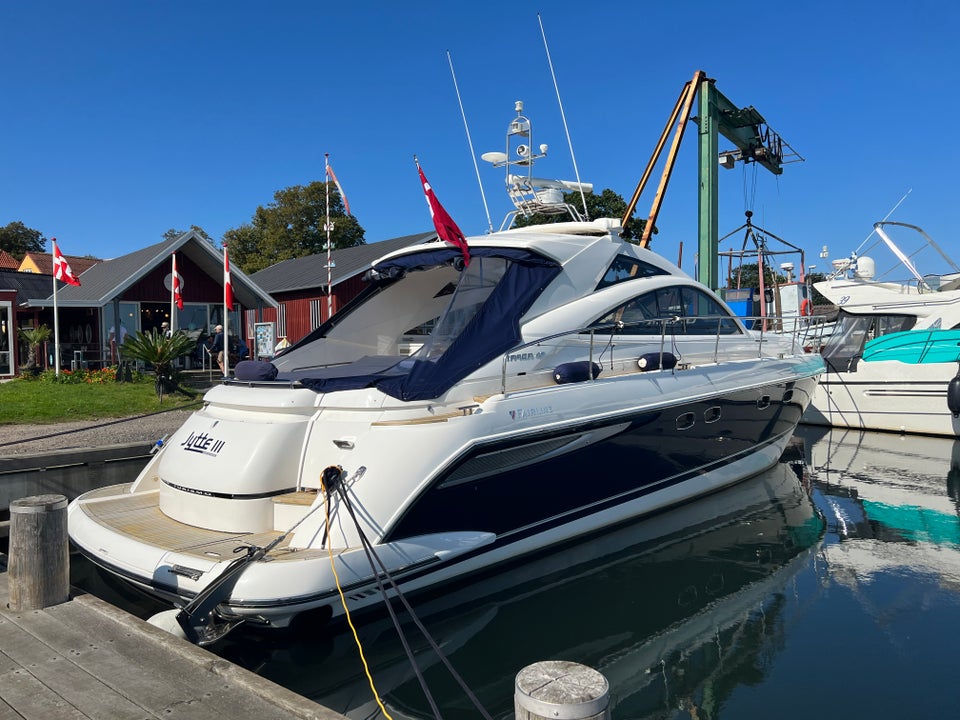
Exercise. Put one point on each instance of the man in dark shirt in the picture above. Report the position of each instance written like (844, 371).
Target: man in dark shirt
(216, 349)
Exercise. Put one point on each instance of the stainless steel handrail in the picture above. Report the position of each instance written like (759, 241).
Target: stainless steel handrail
(800, 325)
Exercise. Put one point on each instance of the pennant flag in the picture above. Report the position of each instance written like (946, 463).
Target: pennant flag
(175, 281)
(61, 268)
(336, 182)
(446, 228)
(227, 285)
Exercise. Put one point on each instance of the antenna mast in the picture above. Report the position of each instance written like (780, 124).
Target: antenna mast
(576, 171)
(473, 155)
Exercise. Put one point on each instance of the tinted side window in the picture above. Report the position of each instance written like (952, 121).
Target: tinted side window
(681, 310)
(625, 268)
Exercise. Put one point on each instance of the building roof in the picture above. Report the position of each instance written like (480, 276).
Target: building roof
(110, 278)
(8, 261)
(44, 263)
(27, 285)
(308, 272)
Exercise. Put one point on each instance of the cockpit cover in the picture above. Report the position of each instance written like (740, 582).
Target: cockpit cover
(491, 332)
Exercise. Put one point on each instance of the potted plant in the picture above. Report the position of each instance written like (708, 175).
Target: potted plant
(34, 338)
(160, 351)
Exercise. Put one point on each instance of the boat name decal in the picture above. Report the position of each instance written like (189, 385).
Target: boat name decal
(203, 443)
(526, 356)
(524, 413)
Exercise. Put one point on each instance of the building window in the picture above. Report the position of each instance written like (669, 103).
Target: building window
(282, 320)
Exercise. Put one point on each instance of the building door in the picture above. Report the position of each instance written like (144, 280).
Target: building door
(7, 340)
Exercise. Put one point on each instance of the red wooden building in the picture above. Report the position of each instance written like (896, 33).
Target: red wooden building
(300, 289)
(128, 294)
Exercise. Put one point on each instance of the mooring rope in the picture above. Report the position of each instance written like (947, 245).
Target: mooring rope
(99, 425)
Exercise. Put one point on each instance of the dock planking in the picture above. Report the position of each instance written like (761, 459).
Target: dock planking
(85, 659)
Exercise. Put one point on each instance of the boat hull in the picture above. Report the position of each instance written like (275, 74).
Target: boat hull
(886, 395)
(501, 497)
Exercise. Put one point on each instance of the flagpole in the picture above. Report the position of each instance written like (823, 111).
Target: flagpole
(56, 316)
(173, 293)
(226, 327)
(328, 227)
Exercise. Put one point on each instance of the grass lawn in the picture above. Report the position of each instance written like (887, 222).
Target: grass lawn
(31, 401)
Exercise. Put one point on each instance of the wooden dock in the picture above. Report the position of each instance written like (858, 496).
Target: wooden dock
(87, 659)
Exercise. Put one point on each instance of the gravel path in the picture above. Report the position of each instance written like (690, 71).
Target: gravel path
(33, 439)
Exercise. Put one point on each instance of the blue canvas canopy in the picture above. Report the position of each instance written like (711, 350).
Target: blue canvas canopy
(493, 330)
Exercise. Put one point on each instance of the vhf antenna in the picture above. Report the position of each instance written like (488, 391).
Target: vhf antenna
(586, 213)
(473, 155)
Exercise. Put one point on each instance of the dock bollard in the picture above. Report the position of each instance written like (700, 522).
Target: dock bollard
(38, 567)
(561, 690)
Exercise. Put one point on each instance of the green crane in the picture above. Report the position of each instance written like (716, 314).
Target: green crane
(753, 139)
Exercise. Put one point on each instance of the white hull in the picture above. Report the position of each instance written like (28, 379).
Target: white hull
(128, 533)
(889, 396)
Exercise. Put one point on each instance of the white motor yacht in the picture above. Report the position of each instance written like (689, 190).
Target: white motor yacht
(892, 356)
(453, 417)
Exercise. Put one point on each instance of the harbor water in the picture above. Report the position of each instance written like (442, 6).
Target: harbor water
(828, 585)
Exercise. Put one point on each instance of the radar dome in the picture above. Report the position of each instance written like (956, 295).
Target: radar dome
(866, 268)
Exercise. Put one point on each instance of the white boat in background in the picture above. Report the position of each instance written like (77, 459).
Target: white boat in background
(893, 356)
(564, 381)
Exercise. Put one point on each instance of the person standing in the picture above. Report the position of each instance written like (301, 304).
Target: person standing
(116, 343)
(216, 349)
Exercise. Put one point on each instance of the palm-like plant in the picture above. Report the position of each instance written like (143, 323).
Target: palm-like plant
(34, 337)
(161, 352)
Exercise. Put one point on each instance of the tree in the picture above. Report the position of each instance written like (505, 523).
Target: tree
(815, 295)
(18, 240)
(606, 204)
(160, 351)
(171, 234)
(34, 338)
(292, 226)
(747, 276)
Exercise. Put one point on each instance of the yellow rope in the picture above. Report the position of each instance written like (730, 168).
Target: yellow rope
(343, 601)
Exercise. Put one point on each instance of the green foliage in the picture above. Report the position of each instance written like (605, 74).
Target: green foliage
(34, 337)
(17, 239)
(80, 377)
(748, 276)
(815, 295)
(25, 401)
(161, 352)
(172, 233)
(292, 226)
(607, 204)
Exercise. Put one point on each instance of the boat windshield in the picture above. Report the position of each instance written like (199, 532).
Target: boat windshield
(476, 283)
(426, 324)
(852, 332)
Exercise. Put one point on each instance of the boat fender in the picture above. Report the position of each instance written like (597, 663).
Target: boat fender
(652, 361)
(255, 370)
(572, 372)
(953, 395)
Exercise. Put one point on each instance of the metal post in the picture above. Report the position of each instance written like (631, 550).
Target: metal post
(561, 689)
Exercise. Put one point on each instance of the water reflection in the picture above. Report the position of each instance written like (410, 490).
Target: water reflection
(891, 502)
(829, 582)
(662, 608)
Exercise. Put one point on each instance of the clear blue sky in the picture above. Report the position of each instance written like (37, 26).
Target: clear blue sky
(123, 119)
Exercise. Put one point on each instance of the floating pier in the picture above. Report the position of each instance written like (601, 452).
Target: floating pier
(84, 658)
